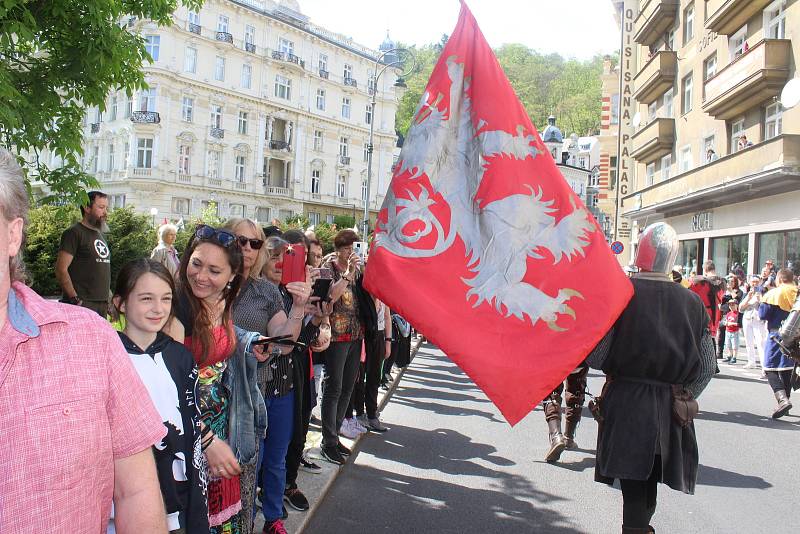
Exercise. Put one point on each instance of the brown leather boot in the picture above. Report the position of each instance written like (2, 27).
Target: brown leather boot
(557, 443)
(569, 433)
(784, 404)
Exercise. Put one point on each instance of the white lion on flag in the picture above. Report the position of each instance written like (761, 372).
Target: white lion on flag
(498, 238)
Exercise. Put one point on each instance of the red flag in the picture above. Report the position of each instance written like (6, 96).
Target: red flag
(483, 246)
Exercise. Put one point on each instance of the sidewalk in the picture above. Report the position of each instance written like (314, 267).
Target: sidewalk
(315, 486)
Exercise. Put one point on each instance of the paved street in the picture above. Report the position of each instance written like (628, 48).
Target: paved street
(451, 464)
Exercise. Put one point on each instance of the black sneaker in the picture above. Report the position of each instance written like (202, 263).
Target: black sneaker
(284, 513)
(333, 455)
(295, 498)
(344, 451)
(310, 467)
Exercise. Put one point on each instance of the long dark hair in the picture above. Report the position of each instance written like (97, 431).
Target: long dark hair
(202, 329)
(129, 275)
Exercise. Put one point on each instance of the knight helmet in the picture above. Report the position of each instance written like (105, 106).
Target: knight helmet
(658, 248)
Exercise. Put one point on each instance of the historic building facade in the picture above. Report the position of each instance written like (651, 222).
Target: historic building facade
(250, 106)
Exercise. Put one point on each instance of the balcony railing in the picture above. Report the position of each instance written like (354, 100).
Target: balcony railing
(214, 182)
(195, 28)
(654, 19)
(654, 140)
(217, 133)
(324, 74)
(316, 196)
(351, 82)
(279, 145)
(728, 16)
(95, 127)
(344, 160)
(225, 37)
(277, 191)
(145, 117)
(184, 178)
(280, 56)
(142, 171)
(749, 79)
(241, 186)
(291, 58)
(250, 47)
(656, 77)
(759, 171)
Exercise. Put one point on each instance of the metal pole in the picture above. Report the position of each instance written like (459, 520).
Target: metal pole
(369, 148)
(619, 120)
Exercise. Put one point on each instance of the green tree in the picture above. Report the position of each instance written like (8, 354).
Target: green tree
(131, 236)
(344, 221)
(57, 58)
(43, 236)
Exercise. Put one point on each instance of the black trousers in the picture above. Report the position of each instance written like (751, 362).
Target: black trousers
(639, 498)
(365, 392)
(721, 341)
(302, 391)
(780, 380)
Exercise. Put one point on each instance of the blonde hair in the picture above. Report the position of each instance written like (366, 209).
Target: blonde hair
(13, 205)
(163, 229)
(232, 224)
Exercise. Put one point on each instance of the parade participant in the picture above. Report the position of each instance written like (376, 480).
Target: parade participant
(710, 288)
(755, 330)
(775, 307)
(82, 390)
(732, 319)
(144, 294)
(165, 252)
(657, 356)
(575, 395)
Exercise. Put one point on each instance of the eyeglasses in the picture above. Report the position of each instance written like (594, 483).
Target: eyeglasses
(255, 244)
(223, 237)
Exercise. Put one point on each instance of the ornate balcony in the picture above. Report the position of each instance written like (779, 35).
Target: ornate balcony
(142, 171)
(351, 82)
(324, 74)
(280, 56)
(277, 191)
(217, 133)
(145, 117)
(94, 127)
(749, 79)
(344, 160)
(655, 17)
(727, 16)
(225, 37)
(291, 58)
(654, 140)
(195, 28)
(250, 47)
(279, 145)
(656, 77)
(765, 169)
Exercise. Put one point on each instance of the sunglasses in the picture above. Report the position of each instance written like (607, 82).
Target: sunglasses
(209, 233)
(255, 244)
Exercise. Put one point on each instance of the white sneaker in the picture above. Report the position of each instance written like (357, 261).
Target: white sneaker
(360, 428)
(348, 430)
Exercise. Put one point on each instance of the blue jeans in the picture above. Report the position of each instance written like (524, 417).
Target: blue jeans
(280, 418)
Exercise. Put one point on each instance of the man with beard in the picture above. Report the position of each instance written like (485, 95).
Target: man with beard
(83, 266)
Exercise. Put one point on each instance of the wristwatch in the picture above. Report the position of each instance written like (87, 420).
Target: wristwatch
(74, 300)
(388, 339)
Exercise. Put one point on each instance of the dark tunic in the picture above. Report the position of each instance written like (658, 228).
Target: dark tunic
(658, 339)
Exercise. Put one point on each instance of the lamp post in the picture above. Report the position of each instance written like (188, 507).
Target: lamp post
(154, 212)
(400, 84)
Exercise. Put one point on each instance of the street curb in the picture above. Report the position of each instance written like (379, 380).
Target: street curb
(381, 404)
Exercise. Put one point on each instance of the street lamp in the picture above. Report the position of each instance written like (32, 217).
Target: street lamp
(400, 83)
(154, 212)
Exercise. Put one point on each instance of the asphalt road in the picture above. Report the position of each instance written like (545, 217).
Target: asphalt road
(450, 464)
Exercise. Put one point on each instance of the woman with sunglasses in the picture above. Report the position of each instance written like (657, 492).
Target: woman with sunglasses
(231, 407)
(259, 307)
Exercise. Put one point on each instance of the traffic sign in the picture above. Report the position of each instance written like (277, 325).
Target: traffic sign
(617, 247)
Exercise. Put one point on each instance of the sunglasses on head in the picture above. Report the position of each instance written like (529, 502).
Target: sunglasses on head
(209, 233)
(255, 244)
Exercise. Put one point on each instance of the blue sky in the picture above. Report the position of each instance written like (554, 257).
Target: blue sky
(573, 28)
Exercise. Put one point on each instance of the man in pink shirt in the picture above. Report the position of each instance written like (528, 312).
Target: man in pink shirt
(77, 424)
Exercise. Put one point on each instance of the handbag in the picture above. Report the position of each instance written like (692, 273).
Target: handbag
(684, 406)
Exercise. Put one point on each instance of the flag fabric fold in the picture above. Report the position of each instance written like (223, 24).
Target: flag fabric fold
(482, 245)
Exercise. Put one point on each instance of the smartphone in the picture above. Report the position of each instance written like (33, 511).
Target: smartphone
(279, 340)
(294, 264)
(321, 288)
(361, 248)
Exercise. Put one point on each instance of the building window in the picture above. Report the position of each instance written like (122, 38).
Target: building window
(318, 140)
(370, 82)
(207, 204)
(190, 59)
(126, 155)
(666, 167)
(612, 173)
(321, 99)
(184, 161)
(615, 109)
(669, 41)
(710, 67)
(329, 217)
(242, 126)
(316, 178)
(236, 210)
(247, 76)
(222, 23)
(216, 116)
(668, 103)
(241, 164)
(144, 153)
(313, 217)
(283, 87)
(345, 108)
(725, 251)
(737, 130)
(147, 100)
(344, 149)
(249, 34)
(262, 214)
(649, 174)
(219, 69)
(194, 18)
(773, 121)
(688, 23)
(708, 150)
(364, 191)
(180, 205)
(187, 109)
(366, 151)
(348, 72)
(117, 201)
(686, 104)
(95, 158)
(368, 114)
(737, 42)
(341, 187)
(780, 247)
(285, 46)
(128, 107)
(323, 62)
(152, 43)
(214, 157)
(110, 165)
(687, 162)
(582, 163)
(113, 107)
(775, 20)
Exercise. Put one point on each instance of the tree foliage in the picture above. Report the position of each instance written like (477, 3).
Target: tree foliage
(58, 57)
(546, 84)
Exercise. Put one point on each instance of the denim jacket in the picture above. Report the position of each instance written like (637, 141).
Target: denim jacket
(247, 416)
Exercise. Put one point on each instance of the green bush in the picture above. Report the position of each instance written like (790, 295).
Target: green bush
(130, 236)
(43, 235)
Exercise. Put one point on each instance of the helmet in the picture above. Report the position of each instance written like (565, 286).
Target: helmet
(658, 248)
